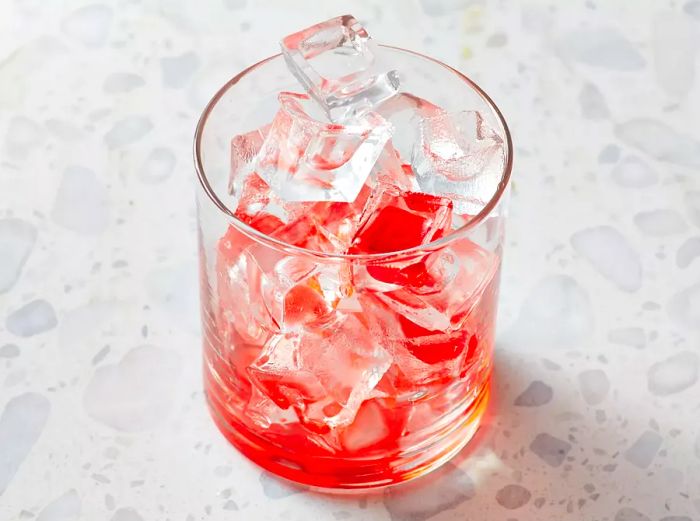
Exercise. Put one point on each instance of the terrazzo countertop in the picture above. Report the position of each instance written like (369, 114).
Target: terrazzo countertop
(596, 410)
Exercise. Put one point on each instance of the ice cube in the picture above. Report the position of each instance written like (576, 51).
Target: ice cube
(394, 220)
(461, 157)
(338, 64)
(324, 375)
(305, 232)
(263, 412)
(300, 291)
(435, 347)
(257, 206)
(446, 305)
(424, 359)
(405, 112)
(304, 159)
(390, 171)
(377, 427)
(244, 148)
(282, 374)
(325, 226)
(239, 284)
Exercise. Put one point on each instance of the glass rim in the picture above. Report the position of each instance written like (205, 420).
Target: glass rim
(284, 246)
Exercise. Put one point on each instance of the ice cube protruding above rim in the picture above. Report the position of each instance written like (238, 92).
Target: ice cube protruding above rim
(337, 62)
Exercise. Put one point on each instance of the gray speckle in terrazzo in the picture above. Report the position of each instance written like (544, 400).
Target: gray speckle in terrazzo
(611, 255)
(127, 131)
(551, 450)
(609, 154)
(450, 487)
(593, 105)
(81, 203)
(277, 488)
(642, 452)
(158, 166)
(692, 8)
(674, 374)
(230, 505)
(34, 318)
(177, 70)
(628, 336)
(594, 385)
(630, 514)
(549, 365)
(21, 424)
(137, 393)
(633, 172)
(497, 40)
(89, 25)
(17, 239)
(660, 141)
(683, 307)
(65, 508)
(537, 393)
(126, 514)
(688, 252)
(9, 351)
(556, 313)
(513, 496)
(100, 355)
(659, 223)
(601, 47)
(120, 82)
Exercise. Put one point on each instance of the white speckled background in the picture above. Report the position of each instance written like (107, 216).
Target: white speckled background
(596, 414)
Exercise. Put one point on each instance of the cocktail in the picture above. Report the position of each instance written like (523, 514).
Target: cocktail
(351, 219)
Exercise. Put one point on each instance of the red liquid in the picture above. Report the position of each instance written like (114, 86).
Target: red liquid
(376, 380)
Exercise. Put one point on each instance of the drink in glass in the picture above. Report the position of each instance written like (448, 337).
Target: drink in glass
(351, 239)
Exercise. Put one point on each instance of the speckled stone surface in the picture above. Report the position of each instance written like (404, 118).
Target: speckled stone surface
(596, 410)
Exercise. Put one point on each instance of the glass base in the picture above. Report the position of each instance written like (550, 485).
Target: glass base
(337, 474)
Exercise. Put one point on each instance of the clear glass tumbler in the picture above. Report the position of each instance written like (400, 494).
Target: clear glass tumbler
(392, 377)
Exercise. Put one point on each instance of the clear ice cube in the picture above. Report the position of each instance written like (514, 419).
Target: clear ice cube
(324, 375)
(390, 171)
(405, 112)
(445, 306)
(374, 425)
(300, 292)
(244, 148)
(395, 220)
(459, 156)
(263, 412)
(338, 64)
(422, 358)
(282, 375)
(303, 159)
(239, 283)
